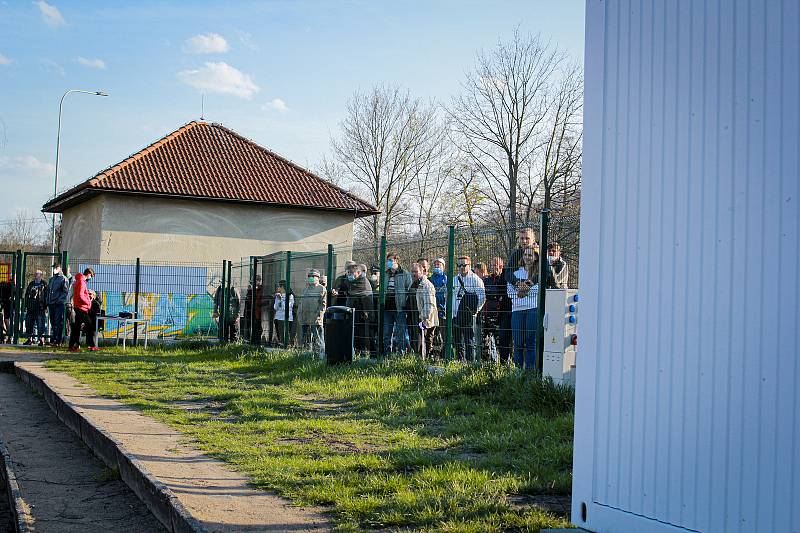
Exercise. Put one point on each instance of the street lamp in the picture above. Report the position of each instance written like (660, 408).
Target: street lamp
(58, 148)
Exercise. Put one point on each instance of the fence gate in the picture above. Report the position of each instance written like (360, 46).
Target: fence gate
(29, 263)
(9, 263)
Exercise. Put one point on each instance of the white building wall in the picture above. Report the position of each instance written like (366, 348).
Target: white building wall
(119, 227)
(688, 382)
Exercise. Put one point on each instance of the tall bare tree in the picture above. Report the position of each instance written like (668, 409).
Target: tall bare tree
(499, 116)
(24, 231)
(387, 139)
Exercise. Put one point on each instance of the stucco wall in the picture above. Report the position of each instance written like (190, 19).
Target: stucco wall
(187, 230)
(81, 228)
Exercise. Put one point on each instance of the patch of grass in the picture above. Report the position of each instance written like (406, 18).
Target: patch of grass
(383, 445)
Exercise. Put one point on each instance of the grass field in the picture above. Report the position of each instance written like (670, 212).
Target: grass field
(385, 445)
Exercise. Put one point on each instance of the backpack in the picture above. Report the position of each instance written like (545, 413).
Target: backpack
(469, 301)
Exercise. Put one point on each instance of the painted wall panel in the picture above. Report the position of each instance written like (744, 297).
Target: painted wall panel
(687, 390)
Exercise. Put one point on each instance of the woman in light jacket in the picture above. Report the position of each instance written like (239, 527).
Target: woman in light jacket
(280, 313)
(426, 308)
(524, 294)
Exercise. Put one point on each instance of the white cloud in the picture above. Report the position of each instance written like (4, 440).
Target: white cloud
(276, 105)
(91, 63)
(220, 78)
(50, 14)
(26, 164)
(4, 60)
(208, 43)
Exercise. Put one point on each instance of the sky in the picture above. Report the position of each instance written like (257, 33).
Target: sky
(277, 72)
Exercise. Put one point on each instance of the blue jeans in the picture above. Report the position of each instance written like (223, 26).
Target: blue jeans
(56, 322)
(395, 328)
(524, 329)
(35, 324)
(464, 337)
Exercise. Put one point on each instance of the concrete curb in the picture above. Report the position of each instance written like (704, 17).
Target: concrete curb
(8, 479)
(154, 494)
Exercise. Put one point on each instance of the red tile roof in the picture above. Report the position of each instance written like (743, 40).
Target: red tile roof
(209, 161)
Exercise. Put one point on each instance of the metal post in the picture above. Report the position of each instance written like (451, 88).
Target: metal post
(451, 258)
(382, 296)
(221, 305)
(227, 297)
(137, 285)
(329, 273)
(21, 295)
(286, 295)
(14, 294)
(252, 310)
(544, 270)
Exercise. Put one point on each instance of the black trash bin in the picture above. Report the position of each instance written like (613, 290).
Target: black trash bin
(339, 333)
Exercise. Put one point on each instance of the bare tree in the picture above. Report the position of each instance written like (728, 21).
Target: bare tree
(24, 231)
(554, 170)
(387, 139)
(501, 112)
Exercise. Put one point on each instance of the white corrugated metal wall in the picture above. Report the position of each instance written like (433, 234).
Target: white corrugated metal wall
(688, 389)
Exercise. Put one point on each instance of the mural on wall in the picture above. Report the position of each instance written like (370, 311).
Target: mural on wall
(5, 272)
(178, 301)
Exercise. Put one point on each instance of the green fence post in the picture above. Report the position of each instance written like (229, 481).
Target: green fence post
(544, 270)
(252, 289)
(15, 294)
(21, 294)
(287, 294)
(227, 298)
(451, 253)
(329, 273)
(137, 279)
(220, 306)
(382, 295)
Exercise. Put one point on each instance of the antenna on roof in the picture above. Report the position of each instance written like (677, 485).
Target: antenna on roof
(202, 106)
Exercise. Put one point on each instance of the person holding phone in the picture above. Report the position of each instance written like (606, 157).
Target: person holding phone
(524, 295)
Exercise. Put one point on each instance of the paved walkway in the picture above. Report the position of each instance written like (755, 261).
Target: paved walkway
(65, 487)
(218, 497)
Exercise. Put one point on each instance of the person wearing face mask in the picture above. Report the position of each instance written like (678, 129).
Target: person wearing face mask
(558, 265)
(340, 286)
(498, 310)
(398, 287)
(359, 298)
(310, 314)
(57, 292)
(82, 304)
(439, 280)
(35, 307)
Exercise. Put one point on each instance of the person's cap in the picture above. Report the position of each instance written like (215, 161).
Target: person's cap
(348, 264)
(313, 273)
(440, 260)
(375, 269)
(56, 264)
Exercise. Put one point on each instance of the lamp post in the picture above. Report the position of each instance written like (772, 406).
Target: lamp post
(58, 148)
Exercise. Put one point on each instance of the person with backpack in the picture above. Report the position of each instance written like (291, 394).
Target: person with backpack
(35, 308)
(469, 295)
(57, 292)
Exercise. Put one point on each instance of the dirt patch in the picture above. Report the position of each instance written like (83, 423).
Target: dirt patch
(324, 407)
(211, 408)
(557, 504)
(332, 443)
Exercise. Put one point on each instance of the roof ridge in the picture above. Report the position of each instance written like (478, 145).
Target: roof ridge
(292, 163)
(105, 173)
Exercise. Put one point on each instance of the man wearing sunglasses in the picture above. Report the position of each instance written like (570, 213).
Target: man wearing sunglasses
(469, 295)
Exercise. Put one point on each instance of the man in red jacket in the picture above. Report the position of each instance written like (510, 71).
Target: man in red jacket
(82, 302)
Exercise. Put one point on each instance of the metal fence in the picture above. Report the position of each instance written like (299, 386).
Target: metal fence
(266, 317)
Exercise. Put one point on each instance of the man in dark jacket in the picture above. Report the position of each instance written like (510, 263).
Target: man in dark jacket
(359, 298)
(497, 323)
(6, 297)
(253, 301)
(340, 286)
(35, 307)
(526, 238)
(57, 291)
(230, 327)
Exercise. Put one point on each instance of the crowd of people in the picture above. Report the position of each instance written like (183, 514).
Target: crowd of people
(52, 308)
(494, 307)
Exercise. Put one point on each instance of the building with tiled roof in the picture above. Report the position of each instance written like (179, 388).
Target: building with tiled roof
(201, 193)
